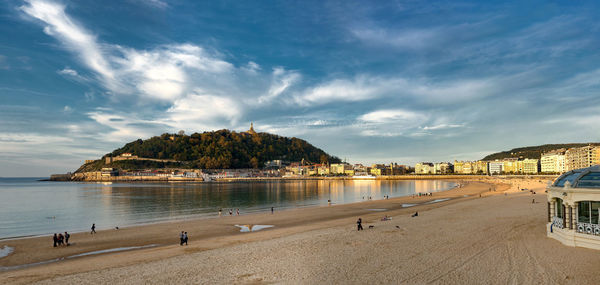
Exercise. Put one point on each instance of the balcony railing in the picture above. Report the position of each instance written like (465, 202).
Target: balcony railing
(557, 222)
(587, 228)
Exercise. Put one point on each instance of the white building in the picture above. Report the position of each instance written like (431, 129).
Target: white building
(553, 162)
(495, 167)
(424, 168)
(573, 208)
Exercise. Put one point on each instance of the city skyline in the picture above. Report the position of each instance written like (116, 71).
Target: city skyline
(387, 82)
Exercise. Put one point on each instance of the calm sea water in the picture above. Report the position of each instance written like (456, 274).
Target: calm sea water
(30, 207)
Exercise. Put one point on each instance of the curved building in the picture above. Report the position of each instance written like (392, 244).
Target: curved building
(573, 203)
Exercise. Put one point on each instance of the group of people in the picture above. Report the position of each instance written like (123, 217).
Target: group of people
(61, 240)
(423, 194)
(237, 212)
(183, 238)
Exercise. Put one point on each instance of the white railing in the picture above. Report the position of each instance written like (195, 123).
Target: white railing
(587, 228)
(557, 222)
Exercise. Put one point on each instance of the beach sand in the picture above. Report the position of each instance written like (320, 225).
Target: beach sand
(495, 239)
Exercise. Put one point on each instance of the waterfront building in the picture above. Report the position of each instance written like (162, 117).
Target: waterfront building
(480, 167)
(530, 166)
(323, 170)
(379, 169)
(511, 166)
(553, 162)
(581, 157)
(424, 168)
(495, 167)
(573, 208)
(339, 168)
(458, 166)
(442, 168)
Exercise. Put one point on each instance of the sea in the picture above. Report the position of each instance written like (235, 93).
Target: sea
(30, 207)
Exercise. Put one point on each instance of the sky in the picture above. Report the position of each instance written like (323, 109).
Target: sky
(367, 81)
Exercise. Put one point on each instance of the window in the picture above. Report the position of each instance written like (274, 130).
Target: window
(594, 212)
(559, 208)
(568, 177)
(590, 180)
(588, 212)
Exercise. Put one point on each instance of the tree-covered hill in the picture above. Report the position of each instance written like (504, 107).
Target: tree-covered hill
(533, 151)
(217, 150)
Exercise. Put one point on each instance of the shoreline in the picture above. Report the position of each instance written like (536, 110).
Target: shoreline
(145, 179)
(209, 234)
(200, 216)
(47, 238)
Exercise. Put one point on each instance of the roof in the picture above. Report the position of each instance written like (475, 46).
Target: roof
(580, 178)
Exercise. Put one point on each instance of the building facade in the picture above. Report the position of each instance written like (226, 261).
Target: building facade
(573, 208)
(424, 168)
(553, 162)
(582, 157)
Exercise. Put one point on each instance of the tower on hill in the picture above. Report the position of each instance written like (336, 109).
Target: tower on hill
(251, 130)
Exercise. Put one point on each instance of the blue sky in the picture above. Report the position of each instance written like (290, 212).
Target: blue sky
(370, 81)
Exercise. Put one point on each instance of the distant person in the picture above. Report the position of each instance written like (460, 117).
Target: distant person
(181, 238)
(185, 238)
(237, 211)
(272, 209)
(61, 239)
(329, 202)
(230, 212)
(359, 224)
(67, 236)
(220, 211)
(55, 238)
(93, 229)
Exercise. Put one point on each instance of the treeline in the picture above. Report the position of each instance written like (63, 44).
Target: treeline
(224, 149)
(533, 151)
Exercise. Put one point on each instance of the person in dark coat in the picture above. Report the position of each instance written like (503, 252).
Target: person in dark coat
(359, 224)
(55, 238)
(67, 236)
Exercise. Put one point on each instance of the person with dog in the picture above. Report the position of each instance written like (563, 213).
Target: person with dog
(359, 224)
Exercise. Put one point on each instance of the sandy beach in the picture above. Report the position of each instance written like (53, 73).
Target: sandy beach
(497, 238)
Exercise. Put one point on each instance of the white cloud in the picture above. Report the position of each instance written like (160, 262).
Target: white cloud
(252, 67)
(281, 81)
(70, 33)
(200, 111)
(67, 109)
(159, 74)
(443, 126)
(68, 71)
(361, 88)
(394, 115)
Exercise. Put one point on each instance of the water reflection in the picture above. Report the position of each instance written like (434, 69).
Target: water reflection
(25, 205)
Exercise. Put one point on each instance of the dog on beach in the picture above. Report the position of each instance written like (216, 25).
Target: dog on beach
(370, 227)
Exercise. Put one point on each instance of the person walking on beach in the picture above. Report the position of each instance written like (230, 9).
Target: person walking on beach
(93, 229)
(55, 238)
(237, 211)
(181, 238)
(272, 210)
(185, 238)
(61, 239)
(359, 224)
(230, 212)
(220, 211)
(67, 236)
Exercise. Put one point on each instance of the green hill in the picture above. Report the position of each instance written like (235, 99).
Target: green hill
(533, 151)
(214, 150)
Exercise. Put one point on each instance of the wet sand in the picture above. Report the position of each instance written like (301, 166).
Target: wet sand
(503, 235)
